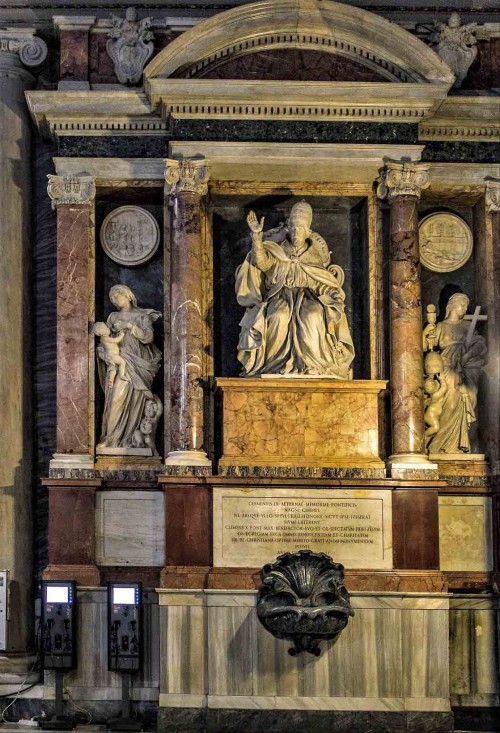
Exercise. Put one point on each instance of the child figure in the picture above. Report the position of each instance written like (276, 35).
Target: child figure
(429, 338)
(144, 436)
(433, 406)
(109, 352)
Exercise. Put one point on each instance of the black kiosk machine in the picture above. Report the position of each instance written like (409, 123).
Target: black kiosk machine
(58, 647)
(125, 644)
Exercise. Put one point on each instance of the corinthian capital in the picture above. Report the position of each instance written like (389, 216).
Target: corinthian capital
(403, 179)
(493, 197)
(70, 189)
(29, 49)
(189, 174)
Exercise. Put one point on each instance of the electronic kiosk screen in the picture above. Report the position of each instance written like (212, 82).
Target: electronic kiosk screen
(124, 627)
(58, 625)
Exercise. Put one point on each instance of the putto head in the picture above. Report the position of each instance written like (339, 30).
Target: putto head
(100, 329)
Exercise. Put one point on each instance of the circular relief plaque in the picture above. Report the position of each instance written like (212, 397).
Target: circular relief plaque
(130, 235)
(445, 242)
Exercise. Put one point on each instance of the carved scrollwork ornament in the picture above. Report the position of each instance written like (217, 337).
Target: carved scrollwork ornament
(303, 599)
(32, 51)
(402, 179)
(189, 175)
(492, 197)
(70, 189)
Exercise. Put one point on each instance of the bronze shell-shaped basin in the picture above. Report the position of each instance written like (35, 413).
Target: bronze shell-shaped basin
(303, 599)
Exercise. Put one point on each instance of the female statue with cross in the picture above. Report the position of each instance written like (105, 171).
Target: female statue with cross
(454, 358)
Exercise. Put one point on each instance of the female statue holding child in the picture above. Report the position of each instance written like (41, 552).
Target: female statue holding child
(128, 361)
(454, 358)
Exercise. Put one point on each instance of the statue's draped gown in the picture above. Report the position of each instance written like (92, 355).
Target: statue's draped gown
(125, 400)
(294, 321)
(462, 369)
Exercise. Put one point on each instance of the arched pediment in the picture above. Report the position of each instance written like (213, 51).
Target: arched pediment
(376, 43)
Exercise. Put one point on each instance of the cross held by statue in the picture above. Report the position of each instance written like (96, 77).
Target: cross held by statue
(473, 318)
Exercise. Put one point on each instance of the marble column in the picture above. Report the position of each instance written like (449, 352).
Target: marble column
(488, 294)
(401, 184)
(19, 49)
(185, 185)
(73, 197)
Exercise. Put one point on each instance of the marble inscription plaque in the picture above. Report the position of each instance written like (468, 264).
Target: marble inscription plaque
(465, 533)
(130, 235)
(445, 242)
(254, 526)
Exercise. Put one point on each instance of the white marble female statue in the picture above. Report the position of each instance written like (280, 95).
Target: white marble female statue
(455, 358)
(295, 319)
(129, 402)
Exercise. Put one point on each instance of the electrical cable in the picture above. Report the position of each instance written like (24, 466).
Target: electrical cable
(78, 707)
(9, 694)
(19, 692)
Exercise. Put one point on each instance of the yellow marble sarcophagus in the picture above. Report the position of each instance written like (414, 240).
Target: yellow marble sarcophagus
(309, 423)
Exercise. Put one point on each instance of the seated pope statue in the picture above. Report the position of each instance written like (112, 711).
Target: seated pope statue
(295, 322)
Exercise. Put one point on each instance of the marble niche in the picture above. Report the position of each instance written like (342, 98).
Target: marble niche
(302, 335)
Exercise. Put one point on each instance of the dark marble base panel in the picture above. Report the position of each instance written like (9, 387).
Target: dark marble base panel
(101, 711)
(476, 719)
(299, 472)
(185, 720)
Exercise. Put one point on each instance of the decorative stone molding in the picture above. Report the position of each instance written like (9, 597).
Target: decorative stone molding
(403, 179)
(331, 26)
(70, 189)
(493, 197)
(468, 118)
(31, 50)
(130, 46)
(268, 100)
(186, 175)
(74, 22)
(117, 112)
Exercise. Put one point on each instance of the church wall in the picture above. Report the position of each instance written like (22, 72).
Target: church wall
(425, 636)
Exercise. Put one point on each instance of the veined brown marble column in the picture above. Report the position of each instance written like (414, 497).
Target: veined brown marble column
(488, 293)
(401, 184)
(73, 196)
(19, 49)
(185, 184)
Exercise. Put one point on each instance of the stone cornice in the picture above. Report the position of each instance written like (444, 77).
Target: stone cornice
(115, 112)
(331, 26)
(74, 22)
(475, 119)
(187, 175)
(492, 197)
(403, 179)
(70, 189)
(106, 112)
(338, 101)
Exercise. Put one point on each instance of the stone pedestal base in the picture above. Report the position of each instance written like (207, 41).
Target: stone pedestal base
(300, 424)
(187, 458)
(87, 575)
(411, 466)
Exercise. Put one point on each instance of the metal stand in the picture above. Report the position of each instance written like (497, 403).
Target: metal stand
(125, 722)
(59, 721)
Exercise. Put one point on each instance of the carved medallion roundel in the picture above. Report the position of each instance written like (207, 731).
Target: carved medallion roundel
(445, 242)
(130, 235)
